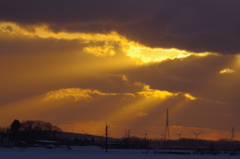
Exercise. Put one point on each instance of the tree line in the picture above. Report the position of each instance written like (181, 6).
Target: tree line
(30, 130)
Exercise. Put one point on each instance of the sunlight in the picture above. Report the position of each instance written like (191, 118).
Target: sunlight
(179, 106)
(131, 113)
(101, 65)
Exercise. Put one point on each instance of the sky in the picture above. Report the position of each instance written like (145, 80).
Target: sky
(83, 64)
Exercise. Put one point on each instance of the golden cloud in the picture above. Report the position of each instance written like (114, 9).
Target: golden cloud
(85, 94)
(79, 94)
(190, 96)
(155, 93)
(226, 71)
(137, 51)
(104, 50)
(148, 92)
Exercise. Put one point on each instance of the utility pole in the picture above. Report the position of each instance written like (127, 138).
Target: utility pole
(145, 139)
(162, 135)
(106, 137)
(162, 139)
(232, 133)
(128, 133)
(146, 135)
(128, 136)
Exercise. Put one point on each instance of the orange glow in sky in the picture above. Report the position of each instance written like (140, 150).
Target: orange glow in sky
(81, 80)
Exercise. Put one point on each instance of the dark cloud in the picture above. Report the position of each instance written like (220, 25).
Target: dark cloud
(73, 11)
(200, 25)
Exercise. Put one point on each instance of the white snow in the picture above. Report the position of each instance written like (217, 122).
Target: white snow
(93, 152)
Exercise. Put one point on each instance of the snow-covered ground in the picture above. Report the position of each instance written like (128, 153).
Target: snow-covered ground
(95, 153)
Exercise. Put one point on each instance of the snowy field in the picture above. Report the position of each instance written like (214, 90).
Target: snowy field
(95, 153)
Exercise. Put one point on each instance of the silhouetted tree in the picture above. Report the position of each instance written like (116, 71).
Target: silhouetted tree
(15, 129)
(3, 130)
(15, 126)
